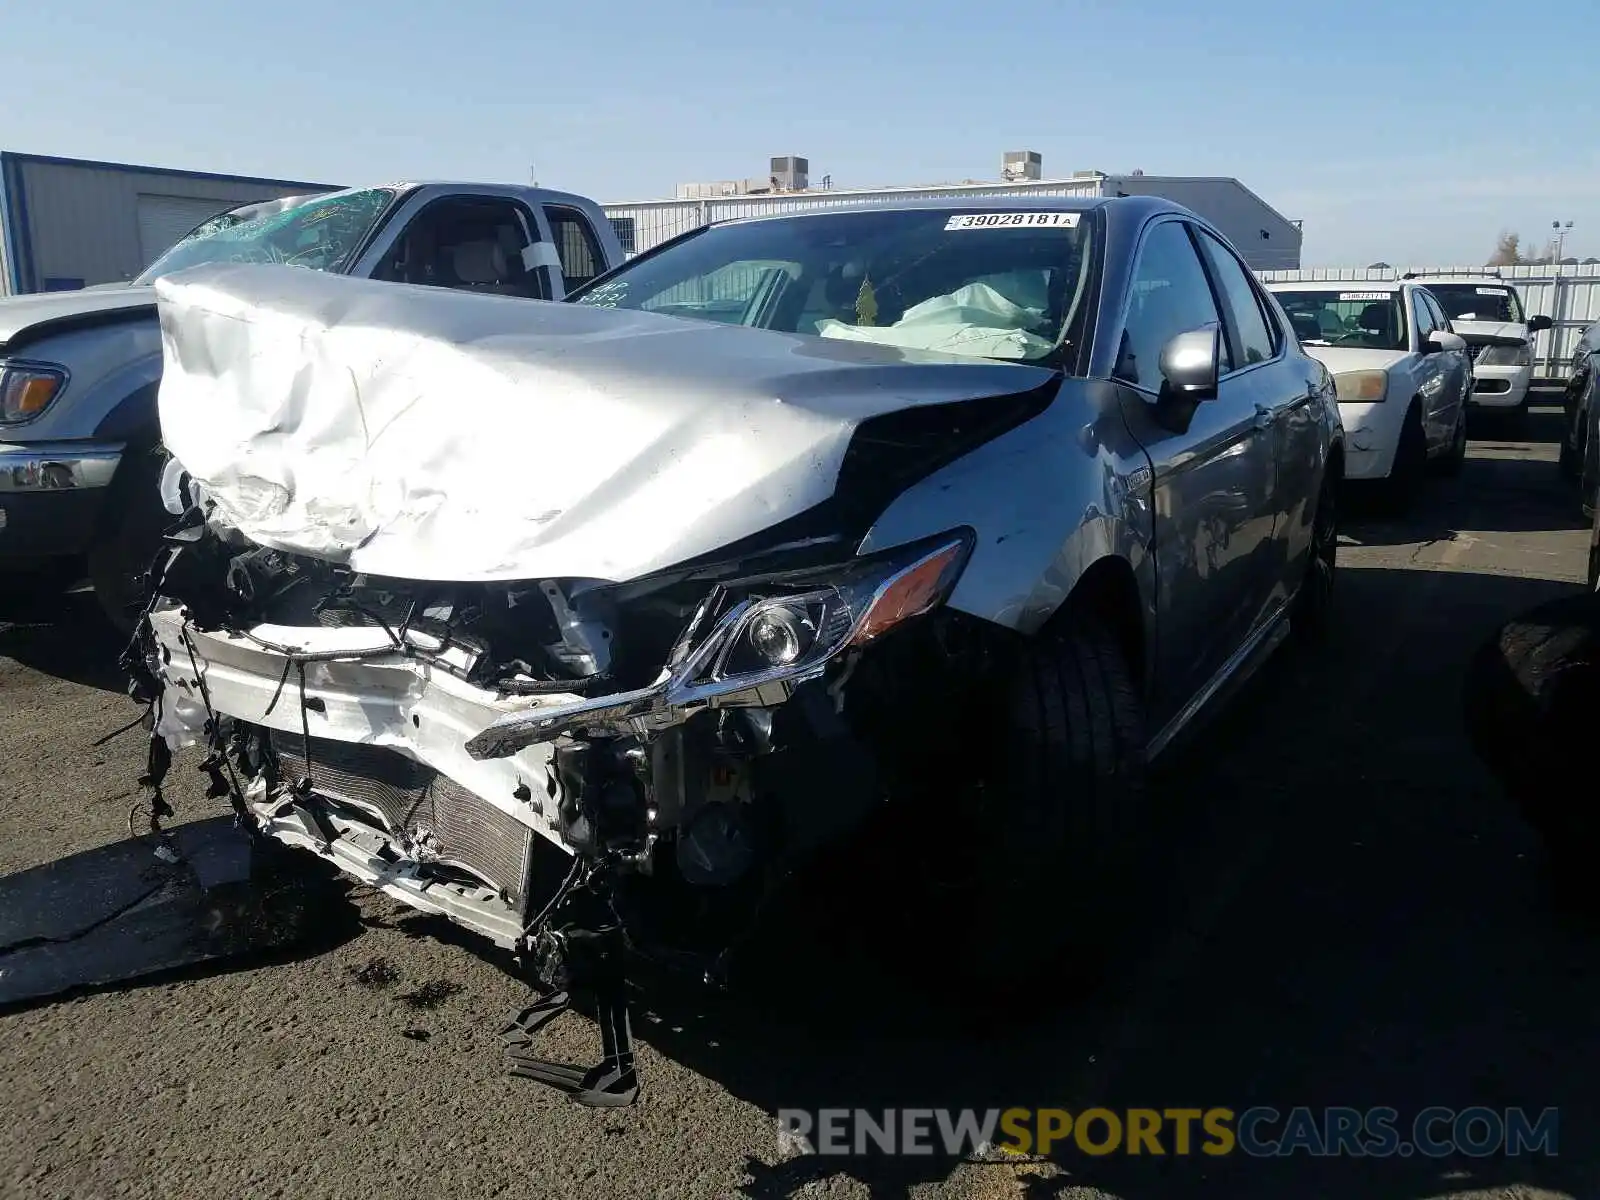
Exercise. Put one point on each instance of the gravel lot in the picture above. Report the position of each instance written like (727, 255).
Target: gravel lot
(1354, 918)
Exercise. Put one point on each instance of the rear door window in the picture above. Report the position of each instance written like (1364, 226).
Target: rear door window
(576, 245)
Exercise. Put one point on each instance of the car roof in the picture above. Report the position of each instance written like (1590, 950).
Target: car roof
(1493, 281)
(1343, 285)
(1011, 203)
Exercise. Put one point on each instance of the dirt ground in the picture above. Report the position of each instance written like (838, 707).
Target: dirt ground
(1355, 918)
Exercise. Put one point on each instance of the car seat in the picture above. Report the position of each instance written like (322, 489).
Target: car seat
(1378, 319)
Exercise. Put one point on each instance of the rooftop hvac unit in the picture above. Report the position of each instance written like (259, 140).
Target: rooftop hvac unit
(1021, 164)
(790, 173)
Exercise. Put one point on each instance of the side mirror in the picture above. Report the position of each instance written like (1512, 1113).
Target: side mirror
(1442, 339)
(1190, 363)
(1540, 324)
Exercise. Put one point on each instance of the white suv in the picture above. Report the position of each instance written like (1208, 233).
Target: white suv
(1488, 314)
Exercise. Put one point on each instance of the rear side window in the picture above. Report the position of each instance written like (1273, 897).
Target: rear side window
(1252, 329)
(576, 245)
(1170, 295)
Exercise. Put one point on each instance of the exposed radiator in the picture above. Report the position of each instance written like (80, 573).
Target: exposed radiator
(409, 798)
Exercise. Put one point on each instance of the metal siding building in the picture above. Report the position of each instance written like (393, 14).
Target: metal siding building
(69, 223)
(1267, 239)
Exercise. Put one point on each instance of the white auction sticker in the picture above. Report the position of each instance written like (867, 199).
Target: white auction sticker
(1491, 291)
(1032, 220)
(1363, 295)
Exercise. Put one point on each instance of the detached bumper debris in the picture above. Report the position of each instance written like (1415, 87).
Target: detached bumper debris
(121, 912)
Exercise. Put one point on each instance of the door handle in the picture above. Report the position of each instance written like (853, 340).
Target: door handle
(1265, 417)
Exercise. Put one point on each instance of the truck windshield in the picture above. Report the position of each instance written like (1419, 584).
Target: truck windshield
(979, 284)
(1472, 302)
(321, 232)
(1358, 320)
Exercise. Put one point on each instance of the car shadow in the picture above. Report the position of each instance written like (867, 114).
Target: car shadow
(123, 915)
(1530, 496)
(1354, 917)
(63, 635)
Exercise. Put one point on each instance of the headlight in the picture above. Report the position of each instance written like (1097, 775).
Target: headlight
(785, 630)
(755, 637)
(27, 389)
(1360, 387)
(1504, 356)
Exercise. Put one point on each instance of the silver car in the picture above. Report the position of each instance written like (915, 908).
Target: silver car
(969, 506)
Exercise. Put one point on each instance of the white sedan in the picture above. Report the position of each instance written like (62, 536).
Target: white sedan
(1402, 375)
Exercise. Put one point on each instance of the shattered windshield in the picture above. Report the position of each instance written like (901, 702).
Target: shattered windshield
(988, 285)
(1472, 302)
(321, 233)
(1360, 320)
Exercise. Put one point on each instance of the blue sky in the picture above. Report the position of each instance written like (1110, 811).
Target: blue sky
(1398, 131)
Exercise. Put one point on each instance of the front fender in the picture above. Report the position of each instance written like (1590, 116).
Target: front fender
(113, 371)
(1047, 500)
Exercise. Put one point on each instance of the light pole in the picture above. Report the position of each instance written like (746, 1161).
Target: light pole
(1561, 240)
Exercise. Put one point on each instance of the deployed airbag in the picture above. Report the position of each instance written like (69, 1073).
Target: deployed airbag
(975, 319)
(429, 434)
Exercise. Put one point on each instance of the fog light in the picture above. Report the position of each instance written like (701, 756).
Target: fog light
(781, 635)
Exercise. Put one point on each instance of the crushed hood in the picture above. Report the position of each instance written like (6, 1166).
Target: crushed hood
(22, 314)
(428, 434)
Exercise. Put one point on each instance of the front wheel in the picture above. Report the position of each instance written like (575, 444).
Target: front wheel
(1410, 465)
(1061, 821)
(1455, 458)
(129, 539)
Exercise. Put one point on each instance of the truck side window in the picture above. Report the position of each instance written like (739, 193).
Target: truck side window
(581, 259)
(470, 244)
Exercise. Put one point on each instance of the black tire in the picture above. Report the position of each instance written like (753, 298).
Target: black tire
(1570, 462)
(1410, 467)
(1529, 698)
(129, 538)
(1594, 550)
(1062, 821)
(1313, 606)
(1455, 458)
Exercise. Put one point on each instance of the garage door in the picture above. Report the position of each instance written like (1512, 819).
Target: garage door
(165, 219)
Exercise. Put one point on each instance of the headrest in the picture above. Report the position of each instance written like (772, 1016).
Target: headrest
(479, 262)
(1377, 316)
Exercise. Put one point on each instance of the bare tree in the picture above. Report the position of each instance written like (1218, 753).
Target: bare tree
(1544, 257)
(1507, 251)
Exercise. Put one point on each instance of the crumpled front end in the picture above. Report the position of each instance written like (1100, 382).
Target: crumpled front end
(673, 745)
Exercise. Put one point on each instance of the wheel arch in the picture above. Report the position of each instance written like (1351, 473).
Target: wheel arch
(1108, 591)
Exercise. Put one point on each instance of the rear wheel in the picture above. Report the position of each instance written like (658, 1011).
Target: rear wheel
(1594, 551)
(1575, 436)
(1313, 607)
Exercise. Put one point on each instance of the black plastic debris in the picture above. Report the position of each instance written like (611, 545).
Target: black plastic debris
(122, 911)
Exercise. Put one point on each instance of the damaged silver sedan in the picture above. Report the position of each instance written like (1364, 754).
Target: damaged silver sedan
(970, 507)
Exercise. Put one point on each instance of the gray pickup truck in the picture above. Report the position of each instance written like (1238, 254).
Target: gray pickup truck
(79, 435)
